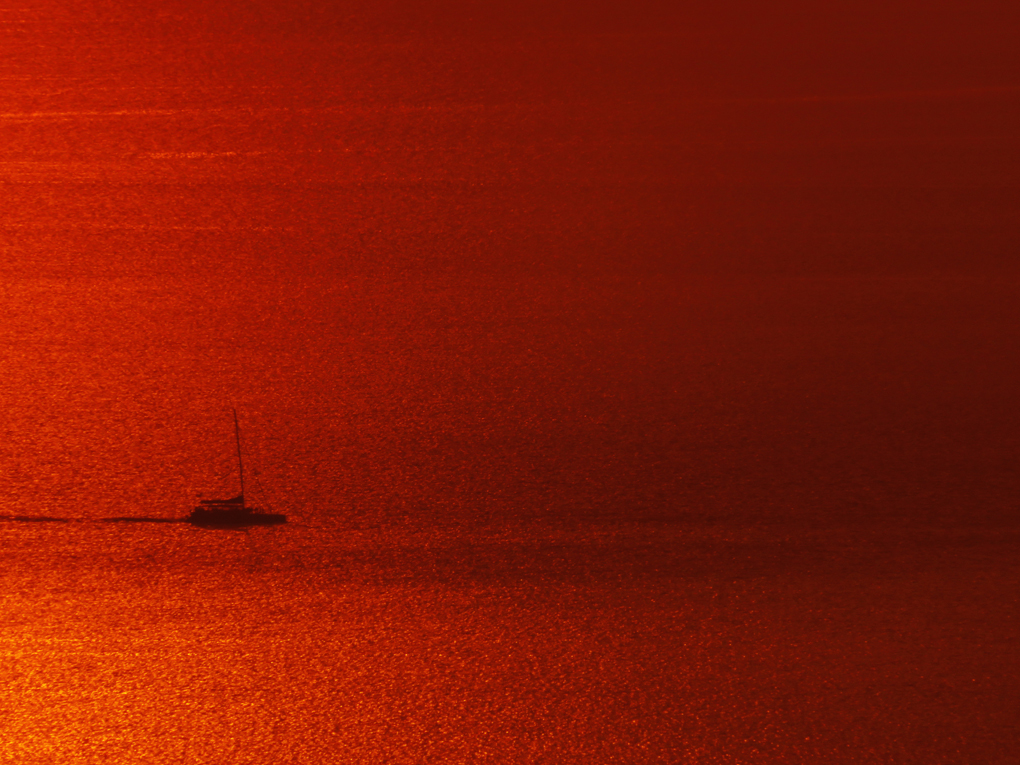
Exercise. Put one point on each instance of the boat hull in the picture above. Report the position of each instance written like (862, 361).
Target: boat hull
(233, 518)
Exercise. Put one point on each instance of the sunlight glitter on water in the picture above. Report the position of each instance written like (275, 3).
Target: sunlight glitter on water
(168, 642)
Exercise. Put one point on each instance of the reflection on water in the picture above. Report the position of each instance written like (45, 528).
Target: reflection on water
(137, 643)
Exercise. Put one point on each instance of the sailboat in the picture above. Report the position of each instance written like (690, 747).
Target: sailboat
(233, 512)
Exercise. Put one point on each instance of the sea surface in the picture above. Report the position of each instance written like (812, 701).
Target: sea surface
(640, 385)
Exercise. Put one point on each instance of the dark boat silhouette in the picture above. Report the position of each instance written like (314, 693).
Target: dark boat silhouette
(233, 512)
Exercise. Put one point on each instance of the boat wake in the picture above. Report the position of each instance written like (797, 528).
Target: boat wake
(57, 519)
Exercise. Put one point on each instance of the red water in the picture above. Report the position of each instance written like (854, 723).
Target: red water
(639, 382)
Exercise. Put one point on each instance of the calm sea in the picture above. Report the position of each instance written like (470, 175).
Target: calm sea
(631, 399)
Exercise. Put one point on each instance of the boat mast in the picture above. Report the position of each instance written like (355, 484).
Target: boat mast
(240, 465)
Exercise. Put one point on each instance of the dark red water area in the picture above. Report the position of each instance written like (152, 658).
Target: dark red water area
(638, 381)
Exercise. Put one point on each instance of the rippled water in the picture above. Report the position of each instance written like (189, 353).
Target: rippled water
(338, 642)
(630, 401)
